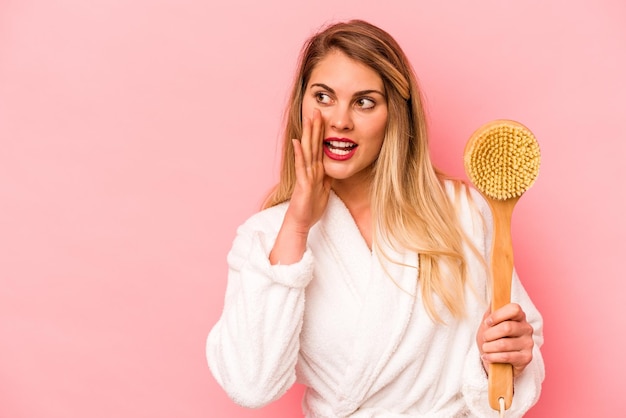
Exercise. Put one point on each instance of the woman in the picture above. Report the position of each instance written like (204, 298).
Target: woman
(364, 276)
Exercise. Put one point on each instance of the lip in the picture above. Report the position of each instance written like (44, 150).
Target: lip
(339, 157)
(331, 138)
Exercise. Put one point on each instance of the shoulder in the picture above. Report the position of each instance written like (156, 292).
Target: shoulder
(267, 220)
(466, 199)
(256, 236)
(471, 208)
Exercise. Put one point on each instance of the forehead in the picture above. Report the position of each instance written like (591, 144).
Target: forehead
(339, 71)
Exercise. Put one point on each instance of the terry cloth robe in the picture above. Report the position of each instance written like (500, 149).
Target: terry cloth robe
(352, 327)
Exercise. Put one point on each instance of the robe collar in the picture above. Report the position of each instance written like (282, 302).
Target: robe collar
(388, 291)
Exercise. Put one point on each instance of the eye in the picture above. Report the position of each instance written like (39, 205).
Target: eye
(365, 103)
(322, 98)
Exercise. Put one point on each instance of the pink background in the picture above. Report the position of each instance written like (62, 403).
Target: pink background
(136, 135)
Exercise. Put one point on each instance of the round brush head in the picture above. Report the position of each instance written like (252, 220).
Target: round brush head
(502, 159)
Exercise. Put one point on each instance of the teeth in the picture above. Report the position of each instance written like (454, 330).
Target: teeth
(341, 144)
(340, 151)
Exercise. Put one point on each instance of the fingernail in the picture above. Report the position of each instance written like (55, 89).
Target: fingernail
(489, 322)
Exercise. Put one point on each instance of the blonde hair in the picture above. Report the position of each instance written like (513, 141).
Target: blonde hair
(410, 208)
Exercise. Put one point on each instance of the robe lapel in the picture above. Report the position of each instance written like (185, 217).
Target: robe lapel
(346, 244)
(381, 325)
(386, 292)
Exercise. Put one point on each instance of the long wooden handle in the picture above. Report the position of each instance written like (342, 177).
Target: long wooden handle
(501, 374)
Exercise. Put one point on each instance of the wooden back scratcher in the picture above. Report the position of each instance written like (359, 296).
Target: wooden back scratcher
(502, 161)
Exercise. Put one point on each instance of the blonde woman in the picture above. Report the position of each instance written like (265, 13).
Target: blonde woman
(364, 276)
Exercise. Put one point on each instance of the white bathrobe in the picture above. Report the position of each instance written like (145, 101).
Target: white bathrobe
(352, 327)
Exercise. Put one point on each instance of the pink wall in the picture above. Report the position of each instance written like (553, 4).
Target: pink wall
(136, 135)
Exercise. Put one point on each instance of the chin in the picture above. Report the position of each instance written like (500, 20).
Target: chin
(337, 173)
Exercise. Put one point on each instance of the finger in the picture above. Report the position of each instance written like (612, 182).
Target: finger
(511, 357)
(305, 142)
(486, 315)
(508, 329)
(509, 312)
(317, 137)
(522, 342)
(298, 157)
(299, 160)
(503, 347)
(518, 359)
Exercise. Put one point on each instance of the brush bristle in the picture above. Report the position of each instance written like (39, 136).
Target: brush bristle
(502, 159)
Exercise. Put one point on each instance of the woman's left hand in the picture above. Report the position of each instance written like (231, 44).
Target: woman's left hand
(504, 336)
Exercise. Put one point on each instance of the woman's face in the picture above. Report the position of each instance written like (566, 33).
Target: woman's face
(351, 99)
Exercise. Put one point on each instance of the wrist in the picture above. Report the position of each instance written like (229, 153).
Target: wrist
(290, 245)
(294, 227)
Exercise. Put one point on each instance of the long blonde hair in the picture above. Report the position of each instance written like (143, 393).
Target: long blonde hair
(410, 208)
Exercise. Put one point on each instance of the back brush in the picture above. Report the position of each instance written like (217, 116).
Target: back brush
(502, 161)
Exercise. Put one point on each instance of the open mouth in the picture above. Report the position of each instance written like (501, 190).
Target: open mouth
(339, 148)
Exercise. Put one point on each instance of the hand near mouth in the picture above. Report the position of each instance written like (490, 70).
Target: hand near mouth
(310, 195)
(312, 189)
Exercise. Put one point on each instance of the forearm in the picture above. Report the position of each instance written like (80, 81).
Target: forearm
(290, 245)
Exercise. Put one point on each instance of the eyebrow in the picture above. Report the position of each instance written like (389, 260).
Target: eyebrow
(358, 93)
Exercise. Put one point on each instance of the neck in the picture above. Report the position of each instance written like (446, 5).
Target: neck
(355, 193)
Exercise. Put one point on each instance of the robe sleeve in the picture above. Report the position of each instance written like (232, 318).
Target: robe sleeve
(253, 349)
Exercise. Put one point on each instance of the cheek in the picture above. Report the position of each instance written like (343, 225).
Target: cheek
(380, 126)
(307, 108)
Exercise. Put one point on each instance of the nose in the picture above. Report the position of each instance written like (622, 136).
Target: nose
(341, 119)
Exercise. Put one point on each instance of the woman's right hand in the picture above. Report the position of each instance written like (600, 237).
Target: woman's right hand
(310, 195)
